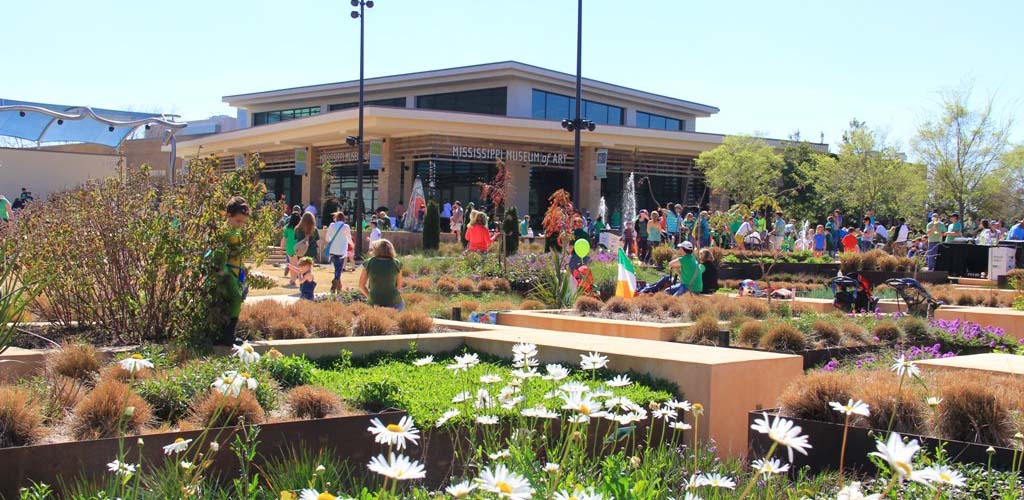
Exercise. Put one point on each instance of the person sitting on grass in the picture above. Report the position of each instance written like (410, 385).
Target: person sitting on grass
(381, 278)
(227, 261)
(304, 273)
(709, 272)
(690, 272)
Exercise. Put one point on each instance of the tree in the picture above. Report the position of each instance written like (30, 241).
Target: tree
(870, 174)
(743, 167)
(798, 194)
(432, 227)
(1004, 190)
(962, 148)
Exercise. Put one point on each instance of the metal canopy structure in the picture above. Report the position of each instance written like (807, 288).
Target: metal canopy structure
(46, 123)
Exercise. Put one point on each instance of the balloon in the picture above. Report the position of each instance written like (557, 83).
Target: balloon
(581, 247)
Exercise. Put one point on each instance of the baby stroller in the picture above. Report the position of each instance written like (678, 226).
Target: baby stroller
(853, 294)
(919, 301)
(753, 241)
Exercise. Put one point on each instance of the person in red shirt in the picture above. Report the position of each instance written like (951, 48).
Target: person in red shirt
(851, 242)
(477, 235)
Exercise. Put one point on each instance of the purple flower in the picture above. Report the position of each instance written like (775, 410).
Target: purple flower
(832, 365)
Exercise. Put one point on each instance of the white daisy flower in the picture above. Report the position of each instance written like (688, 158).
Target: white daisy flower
(555, 372)
(186, 465)
(769, 467)
(574, 387)
(539, 412)
(424, 361)
(135, 363)
(852, 492)
(619, 381)
(851, 408)
(395, 434)
(524, 374)
(448, 415)
(461, 397)
(719, 481)
(784, 432)
(398, 467)
(578, 419)
(678, 405)
(483, 399)
(231, 383)
(178, 446)
(944, 475)
(512, 402)
(934, 401)
(500, 454)
(506, 484)
(524, 350)
(245, 353)
(904, 367)
(121, 468)
(489, 379)
(312, 494)
(461, 490)
(696, 481)
(593, 361)
(464, 362)
(664, 413)
(582, 404)
(551, 467)
(899, 456)
(680, 426)
(578, 494)
(486, 419)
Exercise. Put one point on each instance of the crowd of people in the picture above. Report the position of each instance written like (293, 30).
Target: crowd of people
(8, 208)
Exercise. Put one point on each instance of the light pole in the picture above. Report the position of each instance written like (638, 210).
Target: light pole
(576, 125)
(357, 141)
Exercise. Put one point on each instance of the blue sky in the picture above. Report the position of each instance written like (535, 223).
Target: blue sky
(772, 67)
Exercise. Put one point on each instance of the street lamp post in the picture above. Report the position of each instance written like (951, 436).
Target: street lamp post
(577, 124)
(357, 141)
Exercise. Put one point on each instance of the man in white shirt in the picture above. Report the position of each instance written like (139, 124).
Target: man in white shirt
(338, 236)
(882, 232)
(741, 234)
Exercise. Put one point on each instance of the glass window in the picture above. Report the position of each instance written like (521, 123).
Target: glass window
(551, 106)
(650, 120)
(396, 102)
(454, 180)
(485, 101)
(266, 117)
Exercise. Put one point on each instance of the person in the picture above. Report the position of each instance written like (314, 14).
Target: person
(643, 251)
(819, 240)
(446, 217)
(384, 222)
(997, 229)
(688, 269)
(831, 235)
(779, 231)
(455, 222)
(870, 215)
(686, 233)
(673, 224)
(467, 217)
(741, 233)
(935, 230)
(477, 235)
(882, 232)
(838, 218)
(381, 279)
(709, 273)
(288, 242)
(5, 209)
(400, 210)
(616, 219)
(313, 246)
(599, 227)
(899, 246)
(524, 226)
(851, 242)
(629, 239)
(704, 230)
(339, 234)
(17, 205)
(955, 229)
(305, 233)
(307, 283)
(867, 238)
(760, 224)
(26, 195)
(1016, 231)
(311, 208)
(653, 233)
(374, 231)
(231, 270)
(986, 236)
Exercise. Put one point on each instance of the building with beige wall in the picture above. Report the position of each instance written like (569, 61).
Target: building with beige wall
(46, 171)
(454, 125)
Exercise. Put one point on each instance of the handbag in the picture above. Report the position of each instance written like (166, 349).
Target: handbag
(301, 247)
(327, 251)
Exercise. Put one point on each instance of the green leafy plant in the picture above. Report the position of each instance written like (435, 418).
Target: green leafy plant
(555, 288)
(289, 371)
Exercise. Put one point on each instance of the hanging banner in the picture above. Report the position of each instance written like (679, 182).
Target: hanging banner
(376, 154)
(601, 168)
(300, 161)
(417, 205)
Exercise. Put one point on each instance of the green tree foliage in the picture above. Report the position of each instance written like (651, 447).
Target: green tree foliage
(128, 255)
(962, 149)
(867, 173)
(743, 167)
(432, 227)
(510, 230)
(798, 193)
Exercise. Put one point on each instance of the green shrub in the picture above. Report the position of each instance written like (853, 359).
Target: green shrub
(380, 395)
(826, 332)
(887, 331)
(915, 329)
(171, 394)
(750, 333)
(289, 371)
(432, 227)
(704, 331)
(662, 255)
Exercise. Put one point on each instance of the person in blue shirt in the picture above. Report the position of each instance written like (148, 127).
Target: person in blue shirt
(705, 230)
(446, 218)
(778, 231)
(1016, 231)
(672, 223)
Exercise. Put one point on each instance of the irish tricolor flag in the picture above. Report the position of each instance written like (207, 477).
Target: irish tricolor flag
(626, 286)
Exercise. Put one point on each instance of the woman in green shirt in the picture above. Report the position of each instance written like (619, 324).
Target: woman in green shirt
(381, 279)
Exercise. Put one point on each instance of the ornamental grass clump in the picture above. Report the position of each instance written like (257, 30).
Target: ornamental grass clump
(374, 322)
(465, 285)
(531, 305)
(21, 417)
(888, 263)
(750, 333)
(226, 410)
(809, 397)
(485, 286)
(698, 306)
(109, 410)
(827, 333)
(782, 337)
(307, 401)
(727, 309)
(446, 285)
(646, 304)
(972, 410)
(618, 305)
(887, 331)
(703, 331)
(915, 329)
(754, 308)
(854, 334)
(333, 321)
(502, 285)
(849, 262)
(662, 255)
(882, 392)
(468, 306)
(587, 304)
(75, 360)
(677, 308)
(870, 261)
(286, 328)
(420, 285)
(256, 318)
(414, 322)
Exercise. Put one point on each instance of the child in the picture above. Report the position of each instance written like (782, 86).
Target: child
(851, 242)
(304, 272)
(231, 282)
(819, 241)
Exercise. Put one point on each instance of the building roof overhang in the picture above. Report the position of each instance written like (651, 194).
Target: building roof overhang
(467, 74)
(334, 127)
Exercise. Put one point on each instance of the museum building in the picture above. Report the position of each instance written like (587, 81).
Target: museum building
(450, 127)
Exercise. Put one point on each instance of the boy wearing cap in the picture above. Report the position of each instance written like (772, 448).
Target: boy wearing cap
(690, 272)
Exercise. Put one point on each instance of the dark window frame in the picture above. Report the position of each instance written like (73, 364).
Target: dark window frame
(489, 101)
(591, 110)
(645, 120)
(283, 115)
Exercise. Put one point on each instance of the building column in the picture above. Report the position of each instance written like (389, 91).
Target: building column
(519, 178)
(390, 177)
(316, 179)
(307, 188)
(590, 186)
